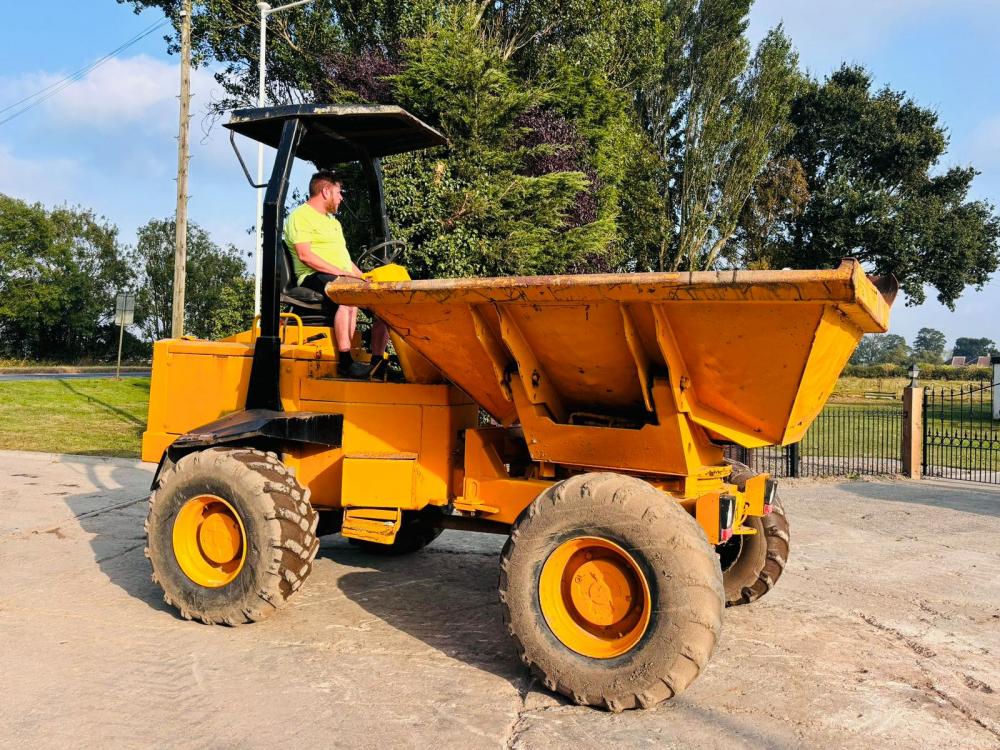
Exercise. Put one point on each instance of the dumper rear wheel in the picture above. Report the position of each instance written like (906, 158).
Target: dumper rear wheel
(230, 535)
(753, 563)
(611, 592)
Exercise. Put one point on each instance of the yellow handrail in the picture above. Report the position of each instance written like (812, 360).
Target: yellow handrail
(299, 324)
(255, 328)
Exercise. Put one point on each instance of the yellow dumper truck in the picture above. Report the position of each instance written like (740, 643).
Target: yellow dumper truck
(584, 417)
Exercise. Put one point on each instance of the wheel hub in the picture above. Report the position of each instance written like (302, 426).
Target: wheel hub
(209, 541)
(219, 537)
(601, 592)
(594, 597)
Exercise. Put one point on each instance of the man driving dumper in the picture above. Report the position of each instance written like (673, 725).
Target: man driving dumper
(320, 256)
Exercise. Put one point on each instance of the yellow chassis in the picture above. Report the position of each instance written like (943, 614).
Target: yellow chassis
(406, 446)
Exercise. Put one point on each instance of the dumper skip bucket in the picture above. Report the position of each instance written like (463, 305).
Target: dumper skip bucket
(751, 356)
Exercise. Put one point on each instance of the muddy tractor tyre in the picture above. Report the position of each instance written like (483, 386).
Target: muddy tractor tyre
(418, 529)
(230, 535)
(611, 592)
(752, 564)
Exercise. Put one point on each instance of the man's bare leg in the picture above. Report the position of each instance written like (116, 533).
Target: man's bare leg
(380, 338)
(343, 328)
(343, 322)
(354, 321)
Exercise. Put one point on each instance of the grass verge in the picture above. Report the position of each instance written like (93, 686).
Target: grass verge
(99, 417)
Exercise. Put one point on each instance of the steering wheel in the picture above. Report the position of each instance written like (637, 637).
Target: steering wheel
(390, 250)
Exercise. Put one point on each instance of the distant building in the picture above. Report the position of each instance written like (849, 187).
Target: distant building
(981, 362)
(957, 362)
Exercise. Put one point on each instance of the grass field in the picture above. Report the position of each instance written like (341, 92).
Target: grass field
(89, 417)
(853, 390)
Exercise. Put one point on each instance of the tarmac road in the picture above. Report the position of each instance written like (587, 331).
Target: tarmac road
(883, 632)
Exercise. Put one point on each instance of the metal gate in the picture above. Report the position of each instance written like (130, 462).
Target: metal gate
(962, 433)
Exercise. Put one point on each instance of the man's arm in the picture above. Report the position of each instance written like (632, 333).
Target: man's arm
(307, 256)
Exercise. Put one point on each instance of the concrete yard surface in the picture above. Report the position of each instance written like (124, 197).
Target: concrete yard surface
(883, 632)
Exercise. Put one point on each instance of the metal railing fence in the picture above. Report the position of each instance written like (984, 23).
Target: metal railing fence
(845, 440)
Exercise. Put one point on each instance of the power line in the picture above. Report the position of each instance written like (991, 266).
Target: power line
(51, 90)
(83, 71)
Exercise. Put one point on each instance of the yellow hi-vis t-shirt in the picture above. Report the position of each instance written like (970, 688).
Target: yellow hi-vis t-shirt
(323, 233)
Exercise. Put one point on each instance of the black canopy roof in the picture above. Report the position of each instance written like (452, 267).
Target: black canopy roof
(339, 133)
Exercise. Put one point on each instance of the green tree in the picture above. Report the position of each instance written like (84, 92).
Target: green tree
(881, 349)
(780, 194)
(715, 115)
(59, 273)
(929, 346)
(735, 117)
(478, 207)
(218, 293)
(970, 348)
(870, 160)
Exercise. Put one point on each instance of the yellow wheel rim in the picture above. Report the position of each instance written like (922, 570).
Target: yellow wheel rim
(594, 597)
(209, 541)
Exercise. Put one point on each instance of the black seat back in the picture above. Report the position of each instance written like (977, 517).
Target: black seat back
(286, 269)
(306, 303)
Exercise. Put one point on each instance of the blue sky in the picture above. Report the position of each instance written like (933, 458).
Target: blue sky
(109, 142)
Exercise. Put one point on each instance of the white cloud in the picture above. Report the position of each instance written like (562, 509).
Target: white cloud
(109, 142)
(36, 179)
(120, 93)
(122, 90)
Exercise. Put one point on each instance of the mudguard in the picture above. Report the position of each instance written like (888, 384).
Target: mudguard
(257, 427)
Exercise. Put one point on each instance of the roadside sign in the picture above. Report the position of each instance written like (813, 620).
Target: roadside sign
(124, 315)
(124, 309)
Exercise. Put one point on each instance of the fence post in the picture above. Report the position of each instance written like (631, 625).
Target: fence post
(743, 456)
(913, 426)
(794, 461)
(995, 383)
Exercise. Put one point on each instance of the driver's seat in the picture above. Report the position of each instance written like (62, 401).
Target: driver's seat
(306, 303)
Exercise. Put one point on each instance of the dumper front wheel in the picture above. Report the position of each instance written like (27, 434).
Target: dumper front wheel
(231, 535)
(611, 592)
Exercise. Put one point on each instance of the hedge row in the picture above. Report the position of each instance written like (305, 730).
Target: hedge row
(927, 372)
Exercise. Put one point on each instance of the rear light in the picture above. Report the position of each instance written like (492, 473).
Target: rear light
(770, 488)
(727, 516)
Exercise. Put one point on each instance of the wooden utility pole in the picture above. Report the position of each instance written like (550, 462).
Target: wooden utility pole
(180, 249)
